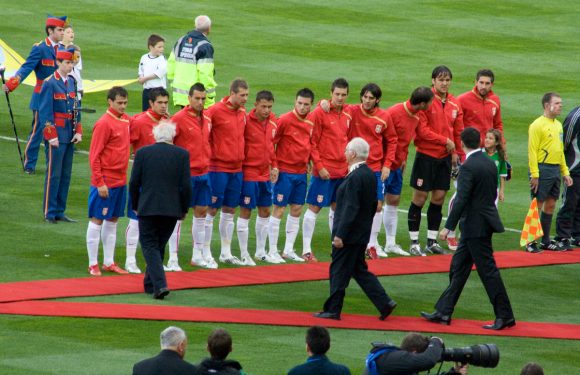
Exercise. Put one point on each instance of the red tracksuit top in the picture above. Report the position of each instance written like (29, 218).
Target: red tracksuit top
(292, 142)
(226, 138)
(437, 124)
(141, 128)
(406, 122)
(192, 134)
(481, 113)
(259, 147)
(375, 127)
(109, 151)
(329, 140)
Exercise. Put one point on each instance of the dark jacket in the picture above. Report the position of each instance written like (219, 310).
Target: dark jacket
(211, 366)
(402, 362)
(319, 365)
(168, 362)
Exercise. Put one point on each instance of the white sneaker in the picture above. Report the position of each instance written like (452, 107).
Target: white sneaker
(278, 258)
(230, 260)
(396, 249)
(198, 262)
(291, 255)
(247, 261)
(172, 266)
(272, 258)
(381, 253)
(132, 267)
(415, 249)
(210, 263)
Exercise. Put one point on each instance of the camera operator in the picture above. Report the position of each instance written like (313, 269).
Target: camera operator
(417, 353)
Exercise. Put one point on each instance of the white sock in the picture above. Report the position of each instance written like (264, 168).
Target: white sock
(93, 239)
(174, 241)
(390, 223)
(292, 227)
(376, 228)
(273, 233)
(261, 235)
(432, 235)
(131, 240)
(226, 228)
(198, 234)
(109, 239)
(330, 218)
(208, 236)
(308, 224)
(243, 231)
(451, 234)
(414, 236)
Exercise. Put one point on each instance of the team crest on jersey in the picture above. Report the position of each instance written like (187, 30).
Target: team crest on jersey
(493, 111)
(280, 197)
(213, 199)
(247, 200)
(378, 128)
(105, 211)
(454, 114)
(419, 182)
(320, 198)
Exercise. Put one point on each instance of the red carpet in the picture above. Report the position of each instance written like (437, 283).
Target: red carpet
(285, 273)
(281, 318)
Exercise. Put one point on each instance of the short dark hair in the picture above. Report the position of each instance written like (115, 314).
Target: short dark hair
(238, 84)
(532, 368)
(373, 88)
(470, 138)
(116, 91)
(421, 95)
(318, 340)
(196, 87)
(305, 93)
(46, 28)
(265, 95)
(547, 98)
(415, 342)
(340, 83)
(485, 73)
(157, 92)
(154, 39)
(219, 344)
(441, 70)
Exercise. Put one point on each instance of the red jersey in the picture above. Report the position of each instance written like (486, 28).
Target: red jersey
(329, 140)
(192, 134)
(405, 121)
(375, 127)
(226, 138)
(481, 113)
(442, 121)
(141, 128)
(259, 147)
(109, 151)
(292, 143)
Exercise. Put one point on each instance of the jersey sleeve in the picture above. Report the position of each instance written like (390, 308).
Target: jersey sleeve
(100, 134)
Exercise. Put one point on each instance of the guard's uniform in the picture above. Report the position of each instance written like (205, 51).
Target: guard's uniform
(481, 113)
(41, 60)
(56, 104)
(191, 61)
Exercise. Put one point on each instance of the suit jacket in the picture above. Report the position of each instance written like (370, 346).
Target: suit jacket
(474, 204)
(356, 204)
(168, 362)
(319, 365)
(160, 182)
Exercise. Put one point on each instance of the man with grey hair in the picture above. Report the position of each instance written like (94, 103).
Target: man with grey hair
(356, 205)
(191, 61)
(160, 191)
(170, 359)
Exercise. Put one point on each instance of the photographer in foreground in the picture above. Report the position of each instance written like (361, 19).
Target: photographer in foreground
(417, 353)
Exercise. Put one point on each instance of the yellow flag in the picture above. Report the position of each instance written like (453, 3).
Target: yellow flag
(532, 227)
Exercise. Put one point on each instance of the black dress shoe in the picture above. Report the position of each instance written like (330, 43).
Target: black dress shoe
(500, 324)
(50, 221)
(390, 307)
(327, 315)
(437, 317)
(66, 219)
(161, 293)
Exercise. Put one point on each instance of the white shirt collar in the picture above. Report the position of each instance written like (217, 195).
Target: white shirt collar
(472, 152)
(355, 166)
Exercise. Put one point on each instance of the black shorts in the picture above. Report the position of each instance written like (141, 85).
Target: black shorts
(548, 183)
(430, 173)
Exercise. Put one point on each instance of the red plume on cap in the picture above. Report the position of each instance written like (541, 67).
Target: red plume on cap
(55, 21)
(64, 53)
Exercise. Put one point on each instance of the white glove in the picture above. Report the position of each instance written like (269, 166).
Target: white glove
(53, 142)
(77, 138)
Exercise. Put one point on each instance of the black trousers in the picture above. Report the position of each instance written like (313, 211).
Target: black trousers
(154, 232)
(349, 262)
(568, 218)
(480, 252)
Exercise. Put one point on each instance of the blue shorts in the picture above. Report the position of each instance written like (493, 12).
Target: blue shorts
(290, 189)
(201, 187)
(256, 194)
(226, 189)
(380, 187)
(394, 184)
(105, 209)
(322, 193)
(130, 213)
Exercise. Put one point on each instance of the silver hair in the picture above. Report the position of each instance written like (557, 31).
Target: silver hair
(171, 337)
(164, 132)
(360, 147)
(202, 23)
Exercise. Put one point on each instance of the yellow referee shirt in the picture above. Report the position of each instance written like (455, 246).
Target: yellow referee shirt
(545, 145)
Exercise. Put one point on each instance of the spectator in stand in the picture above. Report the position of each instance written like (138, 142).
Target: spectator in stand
(219, 346)
(317, 344)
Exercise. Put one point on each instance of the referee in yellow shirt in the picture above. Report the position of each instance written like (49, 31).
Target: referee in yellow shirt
(547, 165)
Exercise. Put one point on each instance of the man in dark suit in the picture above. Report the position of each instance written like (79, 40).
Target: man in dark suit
(160, 190)
(475, 209)
(356, 205)
(317, 344)
(170, 360)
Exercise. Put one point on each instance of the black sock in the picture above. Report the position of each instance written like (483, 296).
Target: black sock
(414, 217)
(434, 216)
(546, 221)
